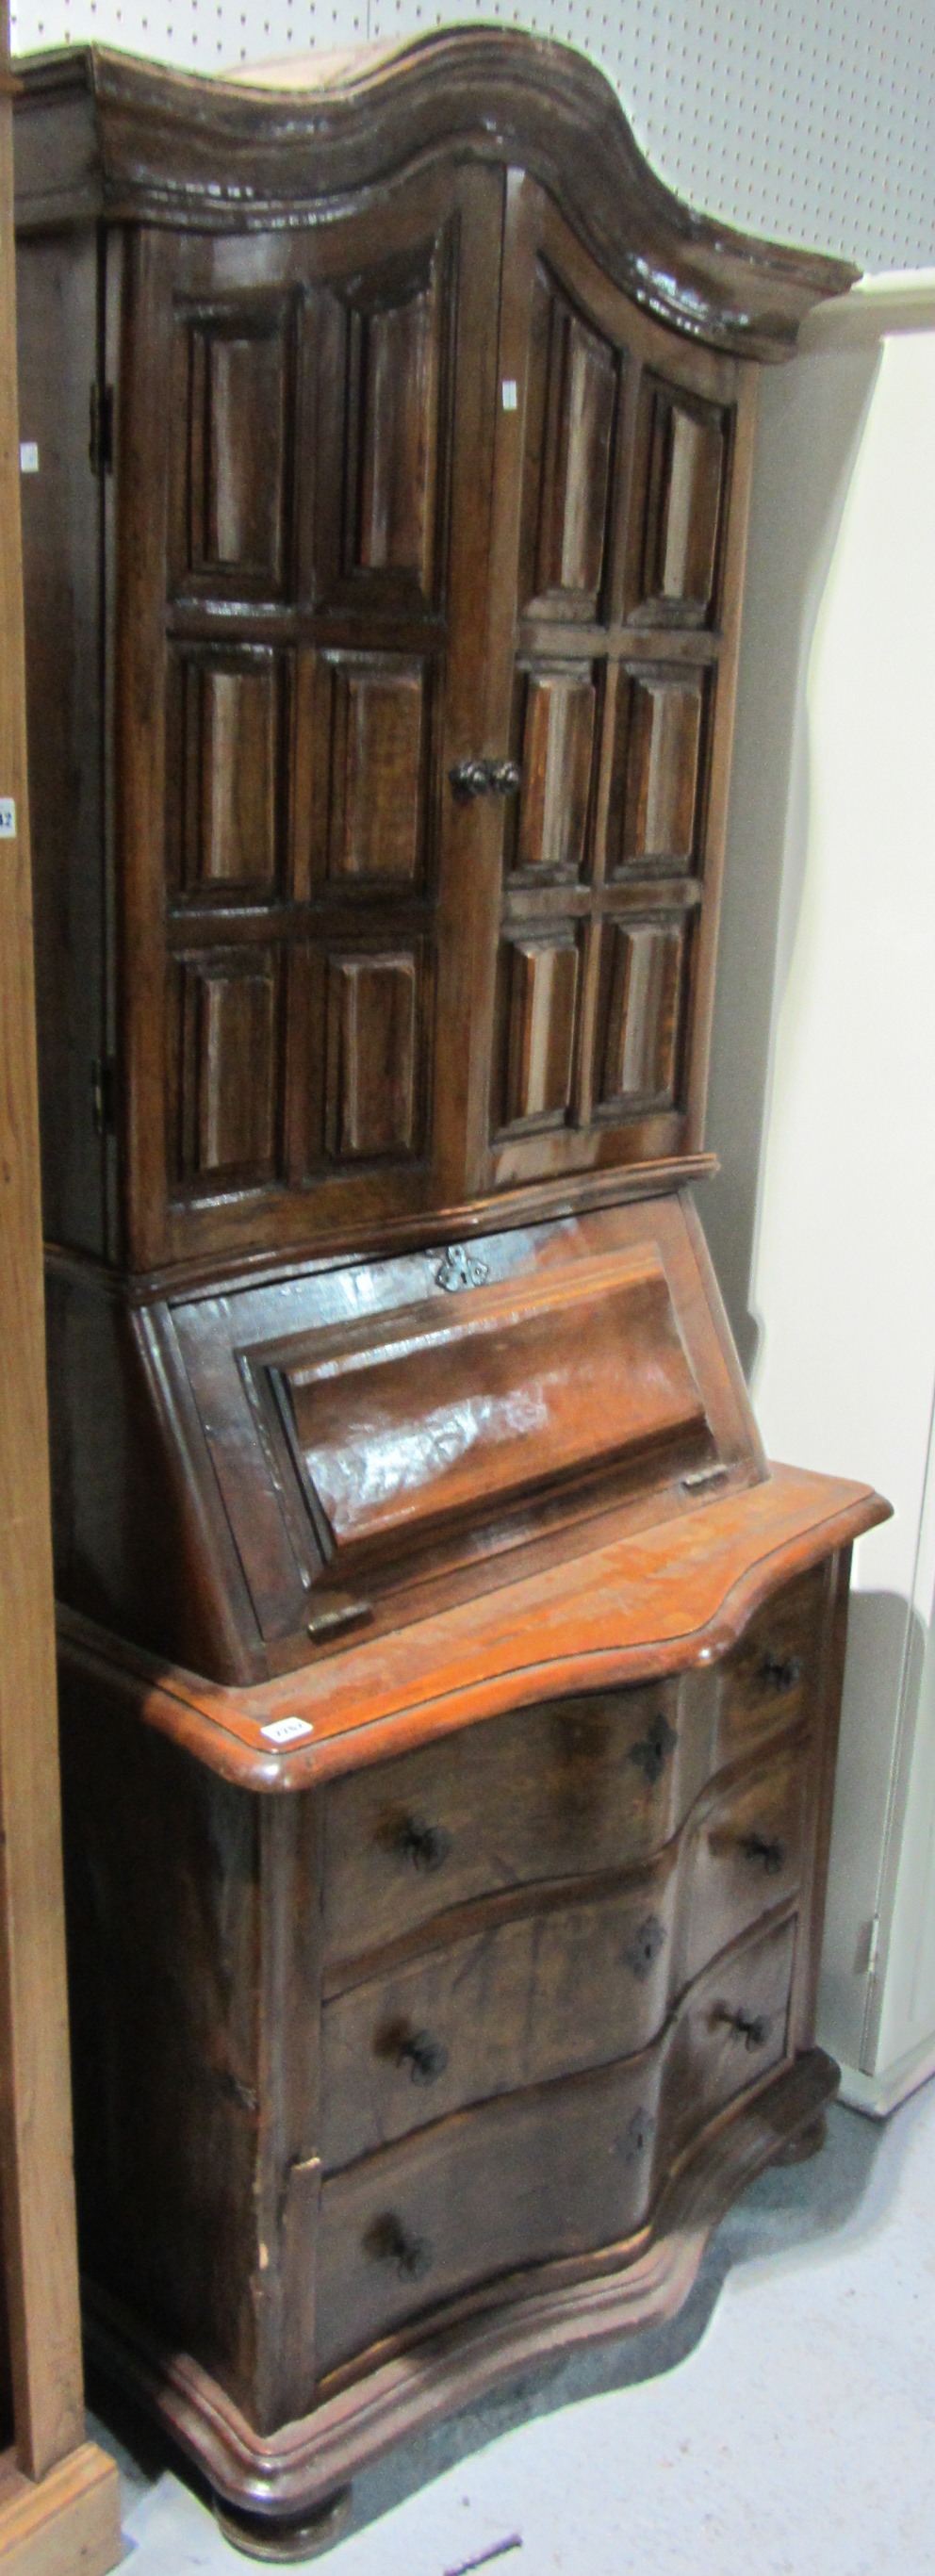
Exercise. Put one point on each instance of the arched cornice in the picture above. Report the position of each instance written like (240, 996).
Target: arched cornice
(141, 143)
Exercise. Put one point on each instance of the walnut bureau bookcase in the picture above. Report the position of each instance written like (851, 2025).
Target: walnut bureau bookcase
(449, 1686)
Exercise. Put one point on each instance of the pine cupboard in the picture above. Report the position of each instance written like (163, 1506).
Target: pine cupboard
(449, 1684)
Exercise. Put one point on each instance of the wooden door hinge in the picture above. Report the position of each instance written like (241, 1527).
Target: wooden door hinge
(101, 441)
(103, 1091)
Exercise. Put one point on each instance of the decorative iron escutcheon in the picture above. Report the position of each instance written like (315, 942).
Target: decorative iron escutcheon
(426, 1846)
(388, 2241)
(643, 1948)
(638, 2137)
(461, 1269)
(472, 777)
(653, 1750)
(425, 2057)
(771, 1854)
(782, 1672)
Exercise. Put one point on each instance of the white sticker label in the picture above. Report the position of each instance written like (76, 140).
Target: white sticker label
(29, 457)
(286, 1730)
(7, 818)
(509, 393)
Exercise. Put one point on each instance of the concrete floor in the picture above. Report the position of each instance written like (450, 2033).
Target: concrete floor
(785, 2422)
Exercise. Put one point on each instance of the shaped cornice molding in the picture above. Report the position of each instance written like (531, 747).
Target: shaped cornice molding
(291, 145)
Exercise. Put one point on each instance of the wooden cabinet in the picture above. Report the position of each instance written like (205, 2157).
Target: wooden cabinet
(449, 1686)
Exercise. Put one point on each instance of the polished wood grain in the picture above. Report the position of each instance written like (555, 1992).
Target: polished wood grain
(499, 92)
(198, 1511)
(575, 2304)
(332, 569)
(57, 2495)
(521, 1994)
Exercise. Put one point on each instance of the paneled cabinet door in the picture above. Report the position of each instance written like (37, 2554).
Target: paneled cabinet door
(303, 661)
(620, 488)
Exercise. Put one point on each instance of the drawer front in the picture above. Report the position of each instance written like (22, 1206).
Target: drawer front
(561, 1790)
(556, 1990)
(554, 2172)
(548, 1792)
(772, 1677)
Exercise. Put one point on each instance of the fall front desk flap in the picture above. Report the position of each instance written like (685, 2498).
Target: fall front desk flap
(374, 1428)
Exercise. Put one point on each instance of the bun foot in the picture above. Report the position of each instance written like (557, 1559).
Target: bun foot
(806, 2142)
(285, 2543)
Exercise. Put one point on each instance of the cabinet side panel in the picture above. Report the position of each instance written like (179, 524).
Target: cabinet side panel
(58, 310)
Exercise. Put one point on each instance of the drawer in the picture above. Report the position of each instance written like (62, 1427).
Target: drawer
(772, 1677)
(568, 1985)
(550, 1792)
(553, 2172)
(560, 1790)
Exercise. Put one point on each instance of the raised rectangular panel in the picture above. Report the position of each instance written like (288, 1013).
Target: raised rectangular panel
(557, 749)
(642, 975)
(394, 380)
(541, 1005)
(370, 1101)
(570, 408)
(228, 773)
(656, 800)
(679, 506)
(239, 377)
(377, 769)
(229, 1071)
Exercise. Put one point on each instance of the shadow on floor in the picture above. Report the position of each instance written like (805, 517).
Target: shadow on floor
(788, 2212)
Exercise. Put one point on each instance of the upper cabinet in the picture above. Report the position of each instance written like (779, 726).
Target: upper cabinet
(414, 644)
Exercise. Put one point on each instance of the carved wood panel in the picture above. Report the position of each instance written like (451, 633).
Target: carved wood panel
(554, 731)
(676, 520)
(371, 1095)
(540, 978)
(384, 427)
(232, 393)
(226, 760)
(372, 723)
(571, 399)
(227, 1091)
(653, 817)
(642, 977)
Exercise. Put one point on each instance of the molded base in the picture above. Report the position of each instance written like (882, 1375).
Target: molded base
(286, 2475)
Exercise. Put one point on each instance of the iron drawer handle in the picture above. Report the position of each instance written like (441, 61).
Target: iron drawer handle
(752, 2028)
(426, 1846)
(387, 2241)
(654, 1748)
(758, 1847)
(425, 2057)
(470, 778)
(782, 1672)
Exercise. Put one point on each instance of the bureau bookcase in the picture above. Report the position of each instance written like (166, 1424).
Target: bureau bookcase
(449, 1686)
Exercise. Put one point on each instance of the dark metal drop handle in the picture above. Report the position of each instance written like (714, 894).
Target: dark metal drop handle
(782, 1672)
(425, 2057)
(470, 778)
(771, 1854)
(425, 1846)
(388, 2241)
(752, 2028)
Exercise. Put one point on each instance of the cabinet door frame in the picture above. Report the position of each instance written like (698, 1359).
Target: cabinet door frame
(290, 281)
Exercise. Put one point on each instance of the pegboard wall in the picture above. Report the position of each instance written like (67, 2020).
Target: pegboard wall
(812, 121)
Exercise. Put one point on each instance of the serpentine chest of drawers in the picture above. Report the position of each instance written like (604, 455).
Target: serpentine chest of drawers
(449, 1687)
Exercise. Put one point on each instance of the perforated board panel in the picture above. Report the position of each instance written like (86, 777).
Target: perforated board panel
(809, 120)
